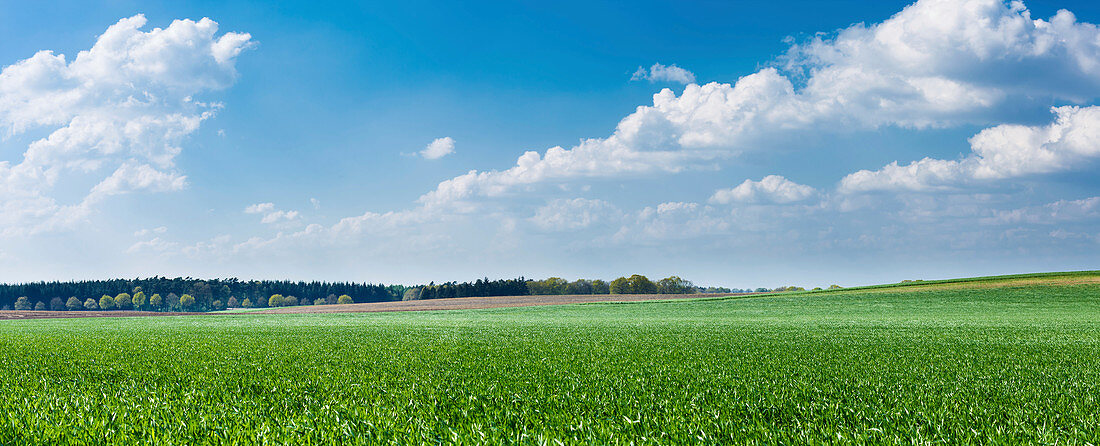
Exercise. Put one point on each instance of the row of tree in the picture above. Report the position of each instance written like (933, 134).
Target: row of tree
(187, 294)
(172, 302)
(205, 292)
(278, 300)
(635, 284)
(480, 288)
(123, 301)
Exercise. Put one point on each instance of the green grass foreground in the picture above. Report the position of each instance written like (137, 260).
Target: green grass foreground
(1018, 363)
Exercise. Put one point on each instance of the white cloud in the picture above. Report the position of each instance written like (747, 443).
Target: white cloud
(1058, 211)
(156, 245)
(259, 208)
(770, 189)
(279, 216)
(937, 63)
(662, 73)
(156, 230)
(577, 213)
(671, 221)
(270, 214)
(439, 148)
(315, 203)
(130, 177)
(1004, 151)
(117, 114)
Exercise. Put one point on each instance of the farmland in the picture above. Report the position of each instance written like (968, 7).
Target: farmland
(1001, 360)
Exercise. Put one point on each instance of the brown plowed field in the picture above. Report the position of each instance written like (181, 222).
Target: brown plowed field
(472, 303)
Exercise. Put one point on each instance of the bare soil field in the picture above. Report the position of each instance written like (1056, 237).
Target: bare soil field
(33, 314)
(472, 303)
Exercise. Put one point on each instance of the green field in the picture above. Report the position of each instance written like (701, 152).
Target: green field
(991, 361)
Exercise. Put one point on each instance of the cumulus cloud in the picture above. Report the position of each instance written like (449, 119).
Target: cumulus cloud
(572, 214)
(669, 221)
(770, 189)
(259, 208)
(1004, 151)
(155, 245)
(279, 216)
(116, 113)
(156, 230)
(270, 214)
(661, 73)
(1058, 211)
(937, 63)
(439, 148)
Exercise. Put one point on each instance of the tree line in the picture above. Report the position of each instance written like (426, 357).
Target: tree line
(184, 294)
(635, 284)
(189, 294)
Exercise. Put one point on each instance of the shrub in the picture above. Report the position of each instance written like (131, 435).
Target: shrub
(319, 301)
(23, 303)
(247, 303)
(90, 304)
(290, 301)
(232, 303)
(345, 299)
(330, 299)
(411, 294)
(106, 302)
(40, 306)
(73, 304)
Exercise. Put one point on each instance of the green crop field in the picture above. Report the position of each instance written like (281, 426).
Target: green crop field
(991, 361)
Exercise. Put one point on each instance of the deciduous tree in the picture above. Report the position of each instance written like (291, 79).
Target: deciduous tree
(276, 300)
(620, 286)
(640, 284)
(123, 301)
(139, 300)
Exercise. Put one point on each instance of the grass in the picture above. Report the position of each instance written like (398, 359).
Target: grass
(1009, 364)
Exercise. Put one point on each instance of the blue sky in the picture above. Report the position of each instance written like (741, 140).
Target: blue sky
(302, 155)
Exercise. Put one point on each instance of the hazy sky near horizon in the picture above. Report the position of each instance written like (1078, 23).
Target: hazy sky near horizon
(741, 144)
